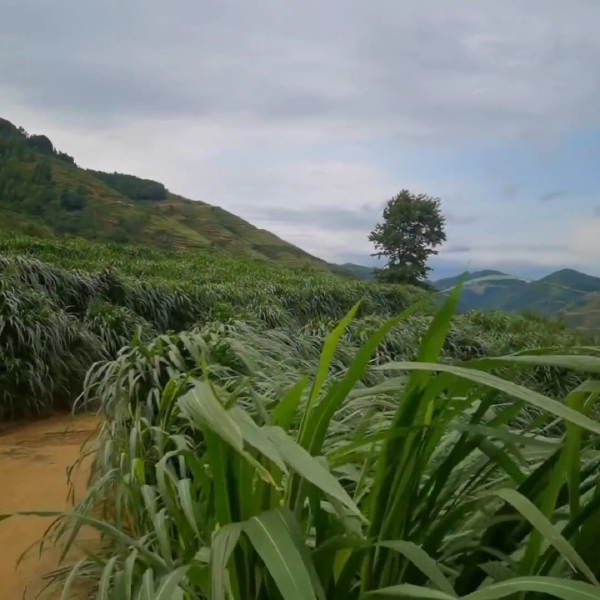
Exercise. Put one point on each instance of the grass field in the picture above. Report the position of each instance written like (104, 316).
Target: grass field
(271, 434)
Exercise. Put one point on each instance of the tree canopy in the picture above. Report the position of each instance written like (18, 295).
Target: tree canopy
(412, 229)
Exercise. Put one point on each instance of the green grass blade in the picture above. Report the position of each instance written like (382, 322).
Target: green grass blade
(168, 586)
(204, 409)
(547, 530)
(106, 579)
(312, 437)
(72, 577)
(256, 437)
(271, 538)
(147, 588)
(307, 559)
(552, 586)
(573, 362)
(309, 468)
(558, 588)
(407, 590)
(285, 411)
(518, 391)
(423, 562)
(329, 348)
(223, 544)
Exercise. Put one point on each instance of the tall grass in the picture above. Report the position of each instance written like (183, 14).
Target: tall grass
(217, 476)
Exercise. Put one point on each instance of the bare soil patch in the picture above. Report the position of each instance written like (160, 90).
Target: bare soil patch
(34, 459)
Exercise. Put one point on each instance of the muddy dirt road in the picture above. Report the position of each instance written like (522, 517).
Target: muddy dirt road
(33, 461)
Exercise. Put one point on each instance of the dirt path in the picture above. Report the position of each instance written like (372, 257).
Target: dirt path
(33, 463)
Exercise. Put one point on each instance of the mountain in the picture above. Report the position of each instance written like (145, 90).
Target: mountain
(482, 290)
(450, 282)
(359, 271)
(43, 192)
(567, 293)
(572, 279)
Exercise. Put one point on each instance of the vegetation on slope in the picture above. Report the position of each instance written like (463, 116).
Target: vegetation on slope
(264, 436)
(43, 193)
(135, 188)
(271, 434)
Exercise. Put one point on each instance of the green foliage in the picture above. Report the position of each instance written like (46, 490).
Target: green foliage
(74, 199)
(413, 226)
(55, 321)
(134, 188)
(28, 186)
(224, 472)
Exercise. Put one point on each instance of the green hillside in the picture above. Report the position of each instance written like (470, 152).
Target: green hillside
(45, 194)
(68, 303)
(573, 280)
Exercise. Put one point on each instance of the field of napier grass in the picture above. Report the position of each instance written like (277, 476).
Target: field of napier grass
(277, 435)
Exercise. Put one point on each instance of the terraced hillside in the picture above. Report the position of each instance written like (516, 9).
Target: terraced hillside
(44, 193)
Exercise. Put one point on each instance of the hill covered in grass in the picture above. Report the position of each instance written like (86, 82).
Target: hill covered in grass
(44, 193)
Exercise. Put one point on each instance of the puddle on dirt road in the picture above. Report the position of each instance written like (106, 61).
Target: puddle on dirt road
(34, 459)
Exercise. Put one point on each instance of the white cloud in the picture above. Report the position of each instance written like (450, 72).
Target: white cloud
(421, 70)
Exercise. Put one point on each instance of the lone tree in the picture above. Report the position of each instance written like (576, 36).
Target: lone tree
(413, 226)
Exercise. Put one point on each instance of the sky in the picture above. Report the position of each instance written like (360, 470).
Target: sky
(305, 116)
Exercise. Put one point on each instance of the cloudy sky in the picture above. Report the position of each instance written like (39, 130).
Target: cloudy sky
(304, 116)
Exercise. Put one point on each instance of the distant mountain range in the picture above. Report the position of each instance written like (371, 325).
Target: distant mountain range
(568, 293)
